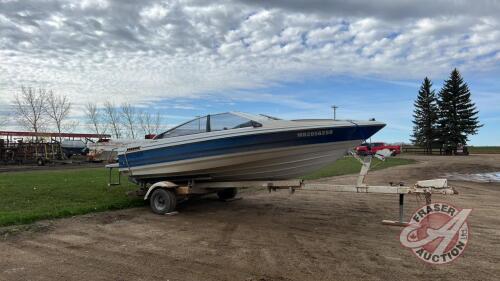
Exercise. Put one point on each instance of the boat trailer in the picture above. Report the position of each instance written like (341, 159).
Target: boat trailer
(163, 195)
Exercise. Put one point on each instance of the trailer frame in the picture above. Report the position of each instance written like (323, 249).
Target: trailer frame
(200, 187)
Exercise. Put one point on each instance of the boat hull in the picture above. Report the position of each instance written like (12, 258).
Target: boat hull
(250, 156)
(268, 164)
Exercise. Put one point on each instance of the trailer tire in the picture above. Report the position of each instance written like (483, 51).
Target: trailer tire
(40, 162)
(162, 201)
(228, 193)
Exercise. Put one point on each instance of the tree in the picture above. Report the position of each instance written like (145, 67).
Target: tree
(150, 124)
(425, 116)
(157, 123)
(30, 107)
(3, 121)
(113, 118)
(129, 118)
(458, 116)
(57, 109)
(93, 117)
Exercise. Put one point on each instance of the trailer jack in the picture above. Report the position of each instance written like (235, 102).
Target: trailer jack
(110, 168)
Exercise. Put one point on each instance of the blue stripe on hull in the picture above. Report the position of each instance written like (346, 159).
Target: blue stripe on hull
(246, 143)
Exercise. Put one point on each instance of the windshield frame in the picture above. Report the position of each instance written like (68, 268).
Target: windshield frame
(251, 124)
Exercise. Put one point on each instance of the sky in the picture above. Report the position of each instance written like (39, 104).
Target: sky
(291, 59)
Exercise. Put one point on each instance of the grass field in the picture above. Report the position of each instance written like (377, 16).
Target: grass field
(26, 197)
(349, 165)
(29, 196)
(484, 149)
(409, 149)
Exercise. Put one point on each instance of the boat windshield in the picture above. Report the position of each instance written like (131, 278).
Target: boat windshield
(209, 123)
(270, 117)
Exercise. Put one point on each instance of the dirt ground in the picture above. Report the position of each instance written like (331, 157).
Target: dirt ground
(310, 235)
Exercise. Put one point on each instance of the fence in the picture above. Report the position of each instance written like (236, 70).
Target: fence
(410, 149)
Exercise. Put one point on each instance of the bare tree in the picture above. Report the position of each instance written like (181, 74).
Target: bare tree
(113, 118)
(129, 118)
(146, 122)
(70, 126)
(143, 118)
(3, 120)
(58, 108)
(30, 108)
(150, 124)
(157, 123)
(93, 117)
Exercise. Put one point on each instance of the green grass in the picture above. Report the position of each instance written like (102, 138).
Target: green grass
(26, 197)
(349, 165)
(29, 196)
(472, 149)
(484, 149)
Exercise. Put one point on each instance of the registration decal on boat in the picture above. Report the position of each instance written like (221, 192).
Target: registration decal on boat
(314, 133)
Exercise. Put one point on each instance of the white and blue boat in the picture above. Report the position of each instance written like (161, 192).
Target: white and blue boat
(240, 146)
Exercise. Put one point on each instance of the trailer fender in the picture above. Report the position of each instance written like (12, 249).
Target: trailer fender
(160, 184)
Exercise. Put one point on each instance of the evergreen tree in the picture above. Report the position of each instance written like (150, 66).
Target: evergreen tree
(458, 116)
(425, 116)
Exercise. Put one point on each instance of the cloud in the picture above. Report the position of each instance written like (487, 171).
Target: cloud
(144, 51)
(385, 9)
(155, 12)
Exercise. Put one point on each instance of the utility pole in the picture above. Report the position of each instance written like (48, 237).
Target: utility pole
(334, 112)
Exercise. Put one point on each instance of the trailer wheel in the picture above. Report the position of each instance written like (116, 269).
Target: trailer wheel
(162, 201)
(40, 162)
(227, 193)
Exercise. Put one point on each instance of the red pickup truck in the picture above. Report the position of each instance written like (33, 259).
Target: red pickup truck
(372, 148)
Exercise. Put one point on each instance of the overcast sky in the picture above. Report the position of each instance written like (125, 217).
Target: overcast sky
(288, 58)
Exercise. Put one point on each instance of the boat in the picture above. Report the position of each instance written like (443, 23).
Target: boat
(106, 150)
(241, 146)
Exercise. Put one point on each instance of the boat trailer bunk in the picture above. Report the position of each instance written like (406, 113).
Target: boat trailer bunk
(164, 195)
